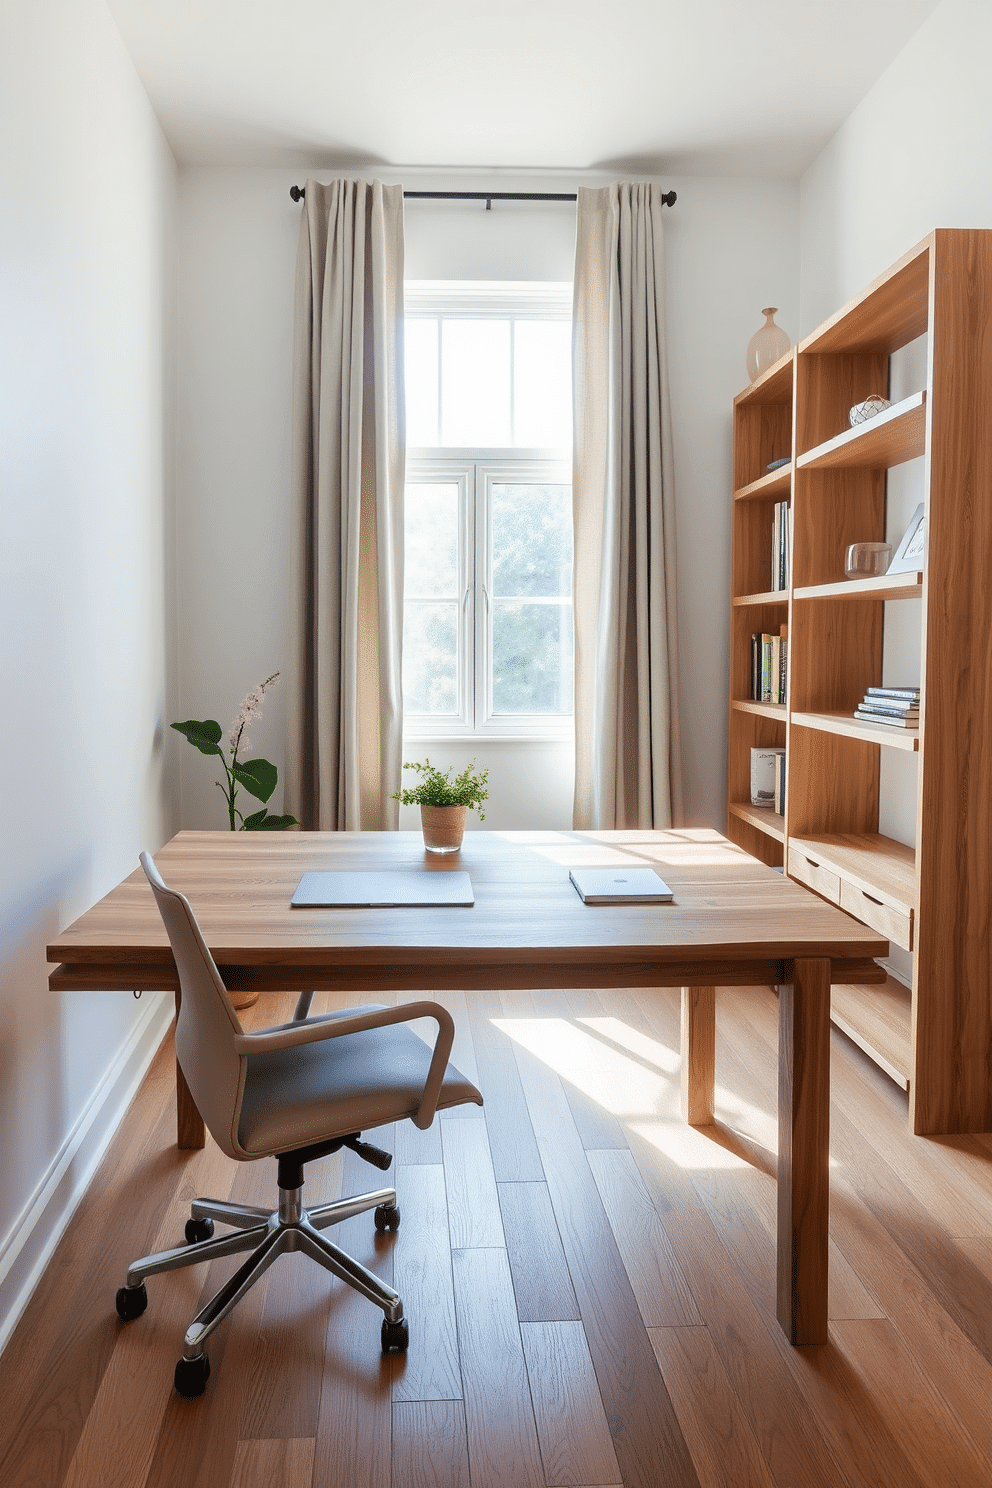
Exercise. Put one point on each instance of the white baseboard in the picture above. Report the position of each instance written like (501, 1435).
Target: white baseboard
(31, 1242)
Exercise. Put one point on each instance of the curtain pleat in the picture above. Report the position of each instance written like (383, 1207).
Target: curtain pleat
(627, 765)
(345, 717)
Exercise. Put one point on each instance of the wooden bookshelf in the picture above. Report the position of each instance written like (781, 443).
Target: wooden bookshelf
(931, 898)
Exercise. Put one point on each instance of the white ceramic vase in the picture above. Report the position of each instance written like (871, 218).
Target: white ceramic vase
(766, 345)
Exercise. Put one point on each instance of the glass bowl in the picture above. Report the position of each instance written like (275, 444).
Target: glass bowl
(867, 560)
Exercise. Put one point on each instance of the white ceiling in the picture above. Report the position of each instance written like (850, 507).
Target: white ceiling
(685, 86)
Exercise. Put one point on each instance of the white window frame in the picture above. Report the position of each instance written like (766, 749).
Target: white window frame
(475, 471)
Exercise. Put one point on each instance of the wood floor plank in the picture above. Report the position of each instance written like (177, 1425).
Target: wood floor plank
(422, 1276)
(51, 1369)
(720, 1439)
(429, 1445)
(502, 1436)
(413, 1147)
(274, 1463)
(284, 1394)
(353, 1446)
(646, 1435)
(132, 1422)
(541, 1283)
(783, 1425)
(902, 1397)
(576, 1446)
(878, 1109)
(198, 1441)
(962, 1375)
(596, 1125)
(662, 1292)
(849, 1298)
(932, 1436)
(902, 1289)
(511, 1136)
(473, 1202)
(864, 1449)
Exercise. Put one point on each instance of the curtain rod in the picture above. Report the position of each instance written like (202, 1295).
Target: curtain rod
(669, 198)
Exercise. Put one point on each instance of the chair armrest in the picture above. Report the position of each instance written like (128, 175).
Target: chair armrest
(317, 1030)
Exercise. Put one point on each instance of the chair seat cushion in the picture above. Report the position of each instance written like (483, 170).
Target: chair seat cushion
(349, 1084)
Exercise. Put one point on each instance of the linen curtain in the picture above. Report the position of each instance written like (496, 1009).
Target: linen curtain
(343, 756)
(627, 766)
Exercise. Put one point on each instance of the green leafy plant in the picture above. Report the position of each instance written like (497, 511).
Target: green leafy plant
(437, 789)
(258, 777)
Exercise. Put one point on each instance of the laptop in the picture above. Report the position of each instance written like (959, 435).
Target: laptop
(345, 889)
(620, 886)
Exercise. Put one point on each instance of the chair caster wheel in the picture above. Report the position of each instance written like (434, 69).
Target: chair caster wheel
(198, 1229)
(191, 1376)
(131, 1302)
(387, 1217)
(395, 1336)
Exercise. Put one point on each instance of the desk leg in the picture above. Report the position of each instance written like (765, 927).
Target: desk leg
(188, 1119)
(804, 1150)
(698, 1050)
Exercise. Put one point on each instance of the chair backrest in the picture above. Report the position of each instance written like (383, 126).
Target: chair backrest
(205, 1032)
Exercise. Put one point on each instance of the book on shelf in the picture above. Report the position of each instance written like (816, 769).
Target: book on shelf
(908, 694)
(895, 706)
(780, 546)
(780, 784)
(764, 768)
(769, 665)
(889, 720)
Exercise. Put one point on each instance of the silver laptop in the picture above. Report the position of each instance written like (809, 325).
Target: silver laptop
(620, 886)
(345, 889)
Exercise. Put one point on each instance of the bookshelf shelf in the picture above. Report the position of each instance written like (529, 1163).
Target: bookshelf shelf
(853, 728)
(762, 818)
(898, 586)
(764, 710)
(895, 435)
(770, 597)
(846, 778)
(775, 483)
(879, 1020)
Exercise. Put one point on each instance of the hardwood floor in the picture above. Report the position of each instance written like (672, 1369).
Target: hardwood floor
(590, 1285)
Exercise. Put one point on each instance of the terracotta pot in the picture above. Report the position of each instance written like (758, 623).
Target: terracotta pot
(443, 827)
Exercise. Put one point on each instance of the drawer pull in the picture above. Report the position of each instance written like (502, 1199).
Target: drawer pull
(812, 862)
(871, 899)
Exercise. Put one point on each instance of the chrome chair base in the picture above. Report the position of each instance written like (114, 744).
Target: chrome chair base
(266, 1234)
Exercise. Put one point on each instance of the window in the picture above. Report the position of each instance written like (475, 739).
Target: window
(487, 629)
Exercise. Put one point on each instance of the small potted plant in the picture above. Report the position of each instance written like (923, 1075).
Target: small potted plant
(443, 802)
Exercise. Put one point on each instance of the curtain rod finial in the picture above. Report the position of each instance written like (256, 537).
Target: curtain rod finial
(297, 192)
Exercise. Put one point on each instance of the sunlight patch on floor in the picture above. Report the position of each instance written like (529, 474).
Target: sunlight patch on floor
(688, 1146)
(619, 1084)
(660, 1055)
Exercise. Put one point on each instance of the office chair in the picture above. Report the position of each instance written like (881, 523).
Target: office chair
(295, 1092)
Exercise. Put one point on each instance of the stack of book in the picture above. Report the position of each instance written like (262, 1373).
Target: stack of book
(769, 665)
(898, 707)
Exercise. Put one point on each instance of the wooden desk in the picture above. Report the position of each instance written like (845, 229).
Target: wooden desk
(734, 922)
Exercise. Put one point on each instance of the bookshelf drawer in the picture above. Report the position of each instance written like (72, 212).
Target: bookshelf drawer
(895, 924)
(808, 871)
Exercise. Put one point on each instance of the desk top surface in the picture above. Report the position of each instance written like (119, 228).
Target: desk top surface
(727, 904)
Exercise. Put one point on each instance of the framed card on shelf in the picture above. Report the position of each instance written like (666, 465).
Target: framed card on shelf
(911, 552)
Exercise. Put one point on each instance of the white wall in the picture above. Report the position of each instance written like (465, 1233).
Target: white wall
(87, 189)
(914, 155)
(732, 248)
